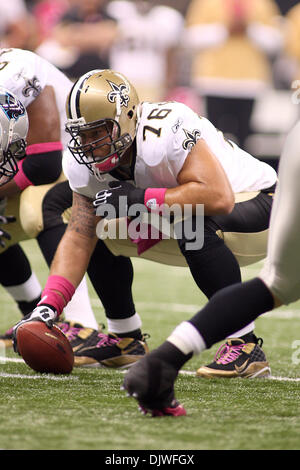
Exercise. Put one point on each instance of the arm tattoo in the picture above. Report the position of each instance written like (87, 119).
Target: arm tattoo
(83, 219)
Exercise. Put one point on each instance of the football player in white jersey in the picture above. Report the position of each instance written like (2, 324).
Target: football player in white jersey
(153, 154)
(278, 283)
(33, 194)
(146, 59)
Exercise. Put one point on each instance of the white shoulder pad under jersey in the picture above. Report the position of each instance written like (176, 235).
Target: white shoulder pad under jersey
(166, 134)
(26, 74)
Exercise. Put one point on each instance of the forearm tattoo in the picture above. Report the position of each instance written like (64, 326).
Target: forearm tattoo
(83, 219)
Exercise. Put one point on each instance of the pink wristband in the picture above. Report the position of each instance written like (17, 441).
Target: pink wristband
(21, 179)
(62, 285)
(54, 299)
(154, 198)
(43, 147)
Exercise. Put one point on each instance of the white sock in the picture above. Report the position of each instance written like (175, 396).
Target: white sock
(26, 292)
(124, 325)
(243, 331)
(187, 338)
(79, 309)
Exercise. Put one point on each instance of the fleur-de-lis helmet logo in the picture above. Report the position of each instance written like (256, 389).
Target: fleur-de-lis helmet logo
(120, 91)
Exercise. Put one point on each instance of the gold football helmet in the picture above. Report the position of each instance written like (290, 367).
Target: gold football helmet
(102, 104)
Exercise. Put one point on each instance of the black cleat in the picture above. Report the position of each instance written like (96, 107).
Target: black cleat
(236, 358)
(101, 350)
(151, 382)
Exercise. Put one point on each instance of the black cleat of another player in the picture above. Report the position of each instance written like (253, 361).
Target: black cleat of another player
(151, 382)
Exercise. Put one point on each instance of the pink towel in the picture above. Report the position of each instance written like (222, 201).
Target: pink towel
(143, 244)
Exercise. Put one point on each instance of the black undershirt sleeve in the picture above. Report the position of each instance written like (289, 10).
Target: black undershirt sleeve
(43, 168)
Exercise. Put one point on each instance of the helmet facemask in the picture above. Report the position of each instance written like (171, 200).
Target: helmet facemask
(104, 151)
(8, 160)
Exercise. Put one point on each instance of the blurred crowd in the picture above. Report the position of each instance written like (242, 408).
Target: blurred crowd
(235, 61)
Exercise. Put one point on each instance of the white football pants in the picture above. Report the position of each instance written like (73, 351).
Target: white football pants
(281, 271)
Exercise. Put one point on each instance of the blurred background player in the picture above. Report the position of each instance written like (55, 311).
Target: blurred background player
(37, 195)
(292, 47)
(233, 44)
(115, 138)
(16, 25)
(145, 48)
(81, 39)
(47, 14)
(117, 35)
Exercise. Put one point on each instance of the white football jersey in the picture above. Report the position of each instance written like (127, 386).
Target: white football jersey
(166, 133)
(26, 74)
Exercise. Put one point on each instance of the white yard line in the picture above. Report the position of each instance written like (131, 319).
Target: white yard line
(10, 359)
(72, 377)
(173, 307)
(272, 377)
(4, 360)
(193, 309)
(285, 379)
(34, 377)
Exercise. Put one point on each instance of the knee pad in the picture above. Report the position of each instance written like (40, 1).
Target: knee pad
(248, 248)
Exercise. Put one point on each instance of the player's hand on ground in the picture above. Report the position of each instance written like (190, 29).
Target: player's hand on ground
(42, 313)
(4, 235)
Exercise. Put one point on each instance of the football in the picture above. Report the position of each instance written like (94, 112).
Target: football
(45, 350)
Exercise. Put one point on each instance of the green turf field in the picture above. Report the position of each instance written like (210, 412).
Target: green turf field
(87, 410)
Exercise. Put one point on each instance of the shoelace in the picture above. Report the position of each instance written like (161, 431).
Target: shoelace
(106, 340)
(73, 332)
(64, 327)
(228, 353)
